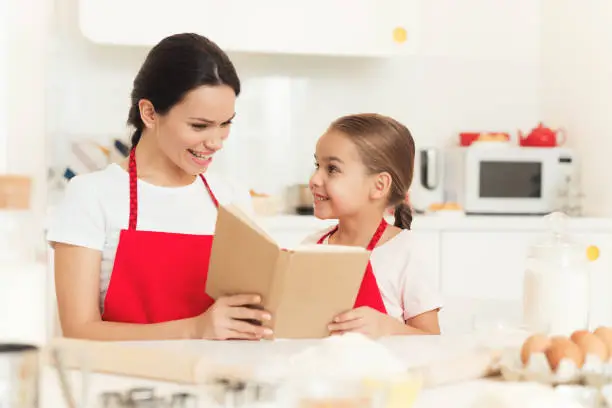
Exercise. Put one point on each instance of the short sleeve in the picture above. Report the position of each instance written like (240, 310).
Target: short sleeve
(78, 219)
(419, 294)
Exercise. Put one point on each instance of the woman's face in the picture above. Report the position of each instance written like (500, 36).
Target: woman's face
(195, 128)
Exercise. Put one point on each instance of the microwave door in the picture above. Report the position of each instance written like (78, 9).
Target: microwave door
(507, 186)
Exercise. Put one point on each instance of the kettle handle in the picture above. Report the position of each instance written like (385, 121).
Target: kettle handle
(561, 136)
(429, 168)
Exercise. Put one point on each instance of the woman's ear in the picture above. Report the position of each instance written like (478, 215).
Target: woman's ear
(147, 113)
(382, 185)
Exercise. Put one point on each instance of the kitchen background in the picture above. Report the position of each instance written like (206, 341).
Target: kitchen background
(478, 65)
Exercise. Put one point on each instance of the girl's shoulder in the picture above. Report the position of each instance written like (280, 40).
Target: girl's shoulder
(314, 238)
(400, 244)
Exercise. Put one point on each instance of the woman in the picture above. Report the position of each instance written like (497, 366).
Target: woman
(132, 241)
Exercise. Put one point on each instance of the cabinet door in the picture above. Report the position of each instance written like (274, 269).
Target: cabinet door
(427, 245)
(601, 277)
(484, 265)
(334, 27)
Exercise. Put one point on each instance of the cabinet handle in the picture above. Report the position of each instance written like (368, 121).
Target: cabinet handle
(592, 253)
(400, 35)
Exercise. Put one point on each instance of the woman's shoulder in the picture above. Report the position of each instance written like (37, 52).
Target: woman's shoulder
(96, 184)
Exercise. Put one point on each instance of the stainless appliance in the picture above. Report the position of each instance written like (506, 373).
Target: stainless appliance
(427, 185)
(19, 375)
(300, 199)
(507, 179)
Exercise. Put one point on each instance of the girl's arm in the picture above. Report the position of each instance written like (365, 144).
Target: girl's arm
(425, 323)
(77, 274)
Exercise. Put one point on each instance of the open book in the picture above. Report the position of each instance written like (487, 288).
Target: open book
(304, 287)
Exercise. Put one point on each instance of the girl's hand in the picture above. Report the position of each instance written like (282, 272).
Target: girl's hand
(225, 319)
(364, 320)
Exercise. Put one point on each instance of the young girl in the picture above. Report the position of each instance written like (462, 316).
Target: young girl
(364, 165)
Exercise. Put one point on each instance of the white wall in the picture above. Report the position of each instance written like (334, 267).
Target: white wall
(24, 26)
(3, 84)
(577, 88)
(478, 69)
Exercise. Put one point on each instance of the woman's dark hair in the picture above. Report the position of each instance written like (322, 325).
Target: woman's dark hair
(175, 66)
(384, 145)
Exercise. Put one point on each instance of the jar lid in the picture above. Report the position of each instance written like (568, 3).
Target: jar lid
(559, 242)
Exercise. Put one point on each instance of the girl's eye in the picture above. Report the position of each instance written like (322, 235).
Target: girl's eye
(332, 169)
(316, 164)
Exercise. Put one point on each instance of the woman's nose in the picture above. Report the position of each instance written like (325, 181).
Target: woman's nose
(214, 144)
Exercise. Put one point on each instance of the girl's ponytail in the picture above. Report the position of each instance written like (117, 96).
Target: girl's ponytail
(403, 216)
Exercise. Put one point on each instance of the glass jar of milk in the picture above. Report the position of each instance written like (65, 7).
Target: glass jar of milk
(556, 295)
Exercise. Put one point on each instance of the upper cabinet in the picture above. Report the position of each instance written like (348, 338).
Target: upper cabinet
(314, 27)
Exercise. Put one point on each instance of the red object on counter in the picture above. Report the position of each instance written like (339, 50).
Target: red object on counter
(467, 138)
(542, 136)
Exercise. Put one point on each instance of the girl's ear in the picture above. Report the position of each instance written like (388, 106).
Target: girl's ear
(381, 186)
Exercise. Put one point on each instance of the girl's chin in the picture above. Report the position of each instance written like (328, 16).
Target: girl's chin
(323, 214)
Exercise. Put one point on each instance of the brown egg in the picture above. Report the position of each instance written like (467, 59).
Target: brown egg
(605, 333)
(562, 347)
(589, 343)
(537, 343)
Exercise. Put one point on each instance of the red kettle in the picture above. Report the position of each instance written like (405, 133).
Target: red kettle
(541, 136)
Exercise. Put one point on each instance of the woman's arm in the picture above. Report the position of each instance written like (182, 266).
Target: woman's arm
(77, 273)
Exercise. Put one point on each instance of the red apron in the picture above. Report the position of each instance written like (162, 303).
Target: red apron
(369, 293)
(157, 276)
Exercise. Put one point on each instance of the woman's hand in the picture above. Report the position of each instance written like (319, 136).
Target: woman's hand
(221, 320)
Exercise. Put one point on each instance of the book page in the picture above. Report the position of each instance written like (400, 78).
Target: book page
(327, 248)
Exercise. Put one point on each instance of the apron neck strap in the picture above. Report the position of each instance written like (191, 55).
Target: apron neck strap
(377, 235)
(373, 242)
(133, 190)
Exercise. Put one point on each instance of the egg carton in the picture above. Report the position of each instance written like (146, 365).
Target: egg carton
(594, 371)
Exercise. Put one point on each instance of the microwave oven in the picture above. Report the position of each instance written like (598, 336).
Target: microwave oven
(507, 180)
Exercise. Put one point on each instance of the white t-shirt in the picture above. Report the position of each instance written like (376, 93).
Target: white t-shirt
(95, 208)
(403, 278)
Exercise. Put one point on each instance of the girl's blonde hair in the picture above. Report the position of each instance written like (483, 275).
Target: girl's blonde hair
(384, 145)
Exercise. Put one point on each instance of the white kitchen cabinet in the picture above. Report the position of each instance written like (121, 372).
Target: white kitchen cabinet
(484, 264)
(601, 277)
(324, 27)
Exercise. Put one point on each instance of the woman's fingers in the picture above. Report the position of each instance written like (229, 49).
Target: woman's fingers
(236, 335)
(247, 313)
(241, 300)
(249, 329)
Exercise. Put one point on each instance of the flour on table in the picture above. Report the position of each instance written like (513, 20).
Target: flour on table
(348, 356)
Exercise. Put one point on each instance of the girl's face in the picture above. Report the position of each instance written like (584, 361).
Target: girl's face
(340, 184)
(196, 127)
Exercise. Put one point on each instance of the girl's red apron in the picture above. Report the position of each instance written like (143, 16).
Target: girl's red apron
(369, 293)
(157, 276)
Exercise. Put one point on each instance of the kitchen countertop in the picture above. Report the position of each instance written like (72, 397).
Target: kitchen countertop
(462, 395)
(449, 222)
